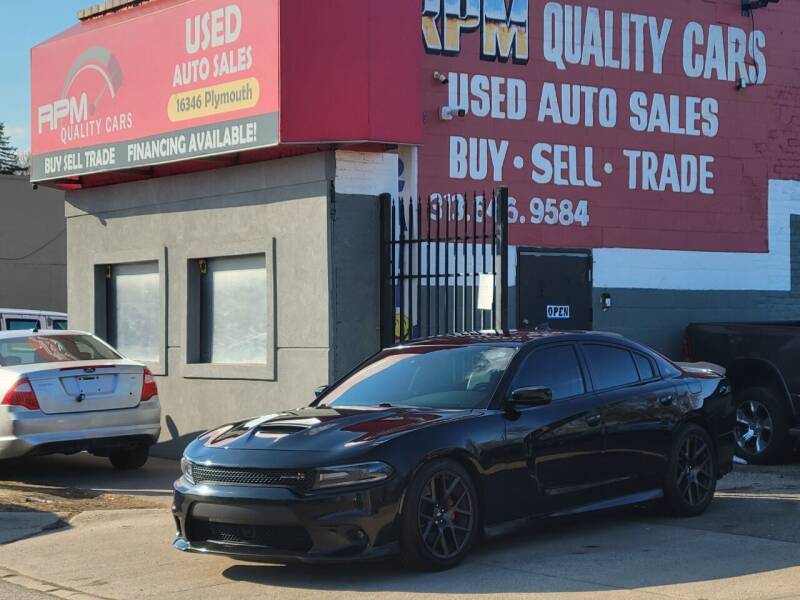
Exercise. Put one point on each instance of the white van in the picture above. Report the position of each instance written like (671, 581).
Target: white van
(21, 319)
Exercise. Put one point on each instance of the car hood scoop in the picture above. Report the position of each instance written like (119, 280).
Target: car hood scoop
(280, 428)
(326, 429)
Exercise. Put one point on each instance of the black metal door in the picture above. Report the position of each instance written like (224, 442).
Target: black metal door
(554, 288)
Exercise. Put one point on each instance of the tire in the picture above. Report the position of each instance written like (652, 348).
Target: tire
(691, 477)
(762, 426)
(128, 460)
(439, 529)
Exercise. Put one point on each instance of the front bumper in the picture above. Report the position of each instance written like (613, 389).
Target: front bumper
(276, 524)
(30, 432)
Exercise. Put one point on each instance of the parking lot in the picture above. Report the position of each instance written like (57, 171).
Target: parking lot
(111, 532)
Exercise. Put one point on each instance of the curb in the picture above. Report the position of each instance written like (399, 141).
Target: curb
(36, 585)
(19, 525)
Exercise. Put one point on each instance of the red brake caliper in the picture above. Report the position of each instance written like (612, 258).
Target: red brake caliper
(450, 505)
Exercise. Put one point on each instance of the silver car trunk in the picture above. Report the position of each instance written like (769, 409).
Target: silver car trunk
(79, 387)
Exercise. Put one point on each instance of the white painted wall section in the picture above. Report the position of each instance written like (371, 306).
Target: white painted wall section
(366, 173)
(709, 271)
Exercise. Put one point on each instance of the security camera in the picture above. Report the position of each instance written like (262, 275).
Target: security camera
(440, 77)
(448, 113)
(741, 83)
(750, 5)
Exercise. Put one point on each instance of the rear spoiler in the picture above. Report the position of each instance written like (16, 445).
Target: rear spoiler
(703, 367)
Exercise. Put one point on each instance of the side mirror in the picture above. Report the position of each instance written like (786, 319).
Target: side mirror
(320, 390)
(531, 396)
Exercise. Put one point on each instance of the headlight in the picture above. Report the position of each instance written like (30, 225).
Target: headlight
(329, 477)
(186, 470)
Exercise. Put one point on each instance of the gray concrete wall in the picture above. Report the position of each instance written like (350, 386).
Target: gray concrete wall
(282, 204)
(659, 317)
(33, 246)
(355, 272)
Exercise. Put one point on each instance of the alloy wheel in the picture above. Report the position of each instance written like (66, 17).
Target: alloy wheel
(695, 471)
(446, 515)
(753, 427)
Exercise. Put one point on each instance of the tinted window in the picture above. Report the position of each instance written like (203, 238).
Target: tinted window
(36, 349)
(666, 366)
(426, 377)
(645, 367)
(21, 324)
(59, 324)
(610, 366)
(556, 368)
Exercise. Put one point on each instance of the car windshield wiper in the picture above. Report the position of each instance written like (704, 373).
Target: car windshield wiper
(369, 406)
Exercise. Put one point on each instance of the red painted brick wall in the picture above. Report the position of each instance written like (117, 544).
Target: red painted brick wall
(758, 136)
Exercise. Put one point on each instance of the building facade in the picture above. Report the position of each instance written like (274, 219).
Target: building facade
(222, 185)
(238, 287)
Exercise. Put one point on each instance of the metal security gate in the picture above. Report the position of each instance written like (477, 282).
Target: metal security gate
(439, 257)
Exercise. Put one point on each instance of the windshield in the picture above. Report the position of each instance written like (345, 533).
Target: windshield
(37, 349)
(462, 377)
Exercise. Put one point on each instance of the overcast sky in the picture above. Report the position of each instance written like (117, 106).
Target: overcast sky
(27, 24)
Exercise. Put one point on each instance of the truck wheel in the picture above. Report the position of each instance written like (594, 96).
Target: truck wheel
(128, 460)
(762, 427)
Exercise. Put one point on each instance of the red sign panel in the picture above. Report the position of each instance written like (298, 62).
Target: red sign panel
(164, 82)
(614, 124)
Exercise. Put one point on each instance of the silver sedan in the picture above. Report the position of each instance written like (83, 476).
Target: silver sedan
(68, 391)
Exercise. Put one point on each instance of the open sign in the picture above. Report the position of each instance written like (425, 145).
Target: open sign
(557, 311)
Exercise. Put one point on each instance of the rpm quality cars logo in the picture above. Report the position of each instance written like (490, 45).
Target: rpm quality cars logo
(94, 77)
(504, 28)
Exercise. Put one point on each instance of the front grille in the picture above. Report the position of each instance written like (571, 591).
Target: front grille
(291, 538)
(234, 476)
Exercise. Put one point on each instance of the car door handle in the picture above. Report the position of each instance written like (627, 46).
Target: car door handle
(593, 420)
(666, 400)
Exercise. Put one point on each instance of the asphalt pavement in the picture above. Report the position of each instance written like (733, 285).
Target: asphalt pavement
(746, 546)
(85, 471)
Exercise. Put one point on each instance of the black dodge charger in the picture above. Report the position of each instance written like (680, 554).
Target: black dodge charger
(427, 446)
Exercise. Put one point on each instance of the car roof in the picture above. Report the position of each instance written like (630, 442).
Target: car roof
(514, 337)
(15, 333)
(32, 312)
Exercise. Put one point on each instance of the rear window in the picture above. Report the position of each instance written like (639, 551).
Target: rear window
(38, 349)
(60, 324)
(644, 366)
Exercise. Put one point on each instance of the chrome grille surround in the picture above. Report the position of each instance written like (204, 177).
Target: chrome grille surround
(207, 474)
